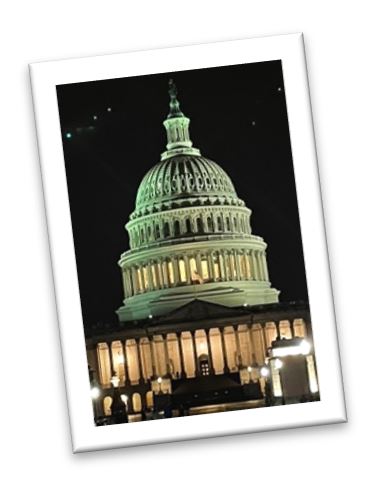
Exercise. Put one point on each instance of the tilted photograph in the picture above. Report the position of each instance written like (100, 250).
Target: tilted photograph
(188, 243)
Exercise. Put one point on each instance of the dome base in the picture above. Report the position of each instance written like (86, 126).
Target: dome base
(158, 303)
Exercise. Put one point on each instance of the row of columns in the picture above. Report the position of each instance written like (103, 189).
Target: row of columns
(176, 270)
(226, 349)
(207, 223)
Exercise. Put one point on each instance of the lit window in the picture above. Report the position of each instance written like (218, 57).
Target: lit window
(171, 272)
(193, 269)
(182, 271)
(205, 274)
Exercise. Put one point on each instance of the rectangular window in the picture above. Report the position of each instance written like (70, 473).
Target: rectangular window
(182, 271)
(171, 272)
(193, 270)
(205, 274)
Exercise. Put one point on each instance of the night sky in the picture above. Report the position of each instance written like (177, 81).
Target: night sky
(113, 134)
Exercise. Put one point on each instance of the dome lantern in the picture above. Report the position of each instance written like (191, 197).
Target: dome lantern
(177, 128)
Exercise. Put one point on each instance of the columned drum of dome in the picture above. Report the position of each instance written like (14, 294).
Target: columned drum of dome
(190, 235)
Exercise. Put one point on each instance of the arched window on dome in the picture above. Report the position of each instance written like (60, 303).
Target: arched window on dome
(228, 227)
(188, 226)
(148, 233)
(142, 236)
(177, 228)
(209, 224)
(166, 229)
(219, 224)
(157, 233)
(199, 225)
(235, 224)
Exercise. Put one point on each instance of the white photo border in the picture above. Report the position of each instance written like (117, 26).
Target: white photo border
(45, 77)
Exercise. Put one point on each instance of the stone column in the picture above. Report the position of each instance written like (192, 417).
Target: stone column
(227, 269)
(261, 265)
(149, 275)
(129, 276)
(164, 270)
(199, 264)
(160, 280)
(187, 268)
(251, 267)
(125, 284)
(134, 280)
(212, 266)
(187, 347)
(224, 351)
(237, 265)
(133, 363)
(257, 273)
(175, 270)
(266, 275)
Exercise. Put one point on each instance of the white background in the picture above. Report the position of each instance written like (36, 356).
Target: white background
(342, 42)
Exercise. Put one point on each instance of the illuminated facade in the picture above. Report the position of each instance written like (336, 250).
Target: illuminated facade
(199, 319)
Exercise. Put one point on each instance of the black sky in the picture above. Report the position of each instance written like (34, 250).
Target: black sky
(238, 119)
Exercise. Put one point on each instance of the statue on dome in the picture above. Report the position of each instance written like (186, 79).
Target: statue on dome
(172, 89)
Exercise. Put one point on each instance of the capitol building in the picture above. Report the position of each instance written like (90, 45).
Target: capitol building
(201, 328)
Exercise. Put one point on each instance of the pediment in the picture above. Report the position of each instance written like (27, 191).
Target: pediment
(198, 309)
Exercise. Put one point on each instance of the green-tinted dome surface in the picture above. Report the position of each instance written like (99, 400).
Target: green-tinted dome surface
(182, 176)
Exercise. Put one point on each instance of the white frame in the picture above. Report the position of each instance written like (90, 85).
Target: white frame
(290, 49)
